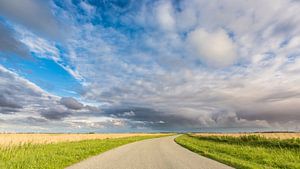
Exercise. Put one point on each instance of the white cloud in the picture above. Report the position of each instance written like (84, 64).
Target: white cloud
(164, 15)
(38, 45)
(187, 18)
(33, 14)
(154, 72)
(128, 114)
(89, 9)
(20, 95)
(24, 104)
(46, 49)
(213, 48)
(167, 81)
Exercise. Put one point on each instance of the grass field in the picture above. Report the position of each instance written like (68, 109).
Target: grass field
(246, 151)
(17, 139)
(279, 135)
(59, 155)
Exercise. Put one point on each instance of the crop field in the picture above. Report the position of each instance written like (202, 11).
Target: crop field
(246, 151)
(18, 139)
(61, 150)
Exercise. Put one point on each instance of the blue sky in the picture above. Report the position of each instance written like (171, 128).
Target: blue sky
(117, 66)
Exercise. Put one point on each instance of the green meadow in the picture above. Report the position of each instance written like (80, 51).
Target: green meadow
(246, 152)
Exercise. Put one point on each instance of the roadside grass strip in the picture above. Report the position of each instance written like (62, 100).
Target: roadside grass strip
(58, 155)
(246, 152)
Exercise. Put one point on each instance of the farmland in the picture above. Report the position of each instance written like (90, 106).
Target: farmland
(279, 135)
(61, 150)
(246, 150)
(17, 139)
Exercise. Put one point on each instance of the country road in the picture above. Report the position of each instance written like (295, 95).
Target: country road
(158, 153)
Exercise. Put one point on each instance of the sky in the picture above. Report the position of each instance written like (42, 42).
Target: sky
(149, 65)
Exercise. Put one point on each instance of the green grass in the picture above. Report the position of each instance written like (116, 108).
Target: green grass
(58, 155)
(247, 151)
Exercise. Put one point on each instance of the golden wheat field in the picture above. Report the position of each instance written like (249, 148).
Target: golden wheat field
(267, 135)
(17, 139)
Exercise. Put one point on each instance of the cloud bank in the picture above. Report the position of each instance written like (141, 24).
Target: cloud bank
(156, 65)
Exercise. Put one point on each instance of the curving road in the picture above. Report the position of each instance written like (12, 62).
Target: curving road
(158, 153)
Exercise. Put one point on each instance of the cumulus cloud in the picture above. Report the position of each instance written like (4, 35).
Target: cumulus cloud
(172, 65)
(56, 113)
(71, 103)
(164, 15)
(183, 119)
(33, 14)
(102, 124)
(22, 103)
(6, 102)
(213, 48)
(89, 9)
(9, 44)
(17, 92)
(167, 89)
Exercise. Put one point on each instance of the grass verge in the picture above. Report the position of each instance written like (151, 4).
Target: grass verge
(58, 155)
(246, 152)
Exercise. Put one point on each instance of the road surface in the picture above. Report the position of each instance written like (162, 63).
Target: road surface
(158, 153)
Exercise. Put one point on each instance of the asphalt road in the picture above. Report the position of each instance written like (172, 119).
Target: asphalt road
(158, 153)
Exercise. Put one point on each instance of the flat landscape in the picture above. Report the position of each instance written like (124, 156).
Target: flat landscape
(155, 150)
(251, 150)
(279, 135)
(158, 153)
(58, 152)
(149, 84)
(17, 139)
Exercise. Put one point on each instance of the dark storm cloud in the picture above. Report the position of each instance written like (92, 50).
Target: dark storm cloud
(92, 109)
(8, 43)
(280, 96)
(57, 113)
(143, 74)
(35, 120)
(281, 115)
(6, 110)
(33, 14)
(5, 102)
(18, 95)
(31, 121)
(15, 93)
(71, 103)
(148, 117)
